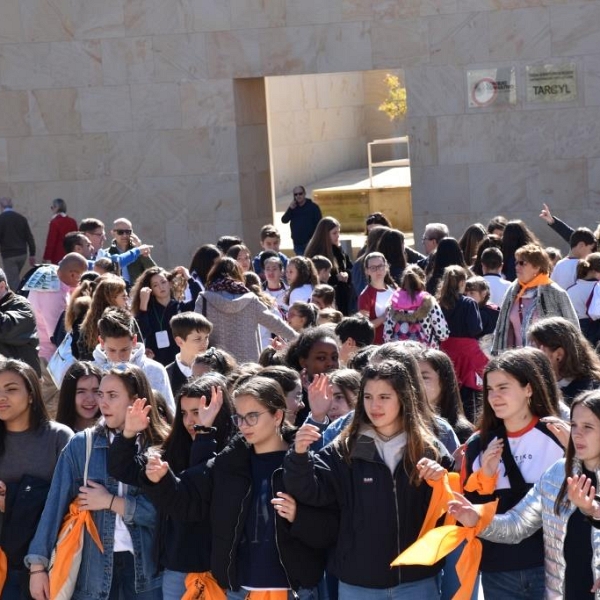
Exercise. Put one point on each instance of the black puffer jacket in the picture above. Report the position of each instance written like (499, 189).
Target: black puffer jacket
(222, 489)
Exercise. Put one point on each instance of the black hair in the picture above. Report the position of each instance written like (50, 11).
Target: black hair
(357, 327)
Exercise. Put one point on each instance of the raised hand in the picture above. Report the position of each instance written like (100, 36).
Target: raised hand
(491, 457)
(208, 414)
(156, 468)
(305, 436)
(320, 397)
(463, 511)
(559, 428)
(145, 294)
(285, 506)
(546, 215)
(136, 418)
(581, 493)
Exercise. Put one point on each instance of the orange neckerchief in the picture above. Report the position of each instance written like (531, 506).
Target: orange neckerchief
(267, 595)
(541, 279)
(70, 538)
(3, 570)
(202, 586)
(482, 484)
(438, 505)
(439, 542)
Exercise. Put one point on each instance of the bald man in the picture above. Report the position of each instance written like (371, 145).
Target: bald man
(49, 290)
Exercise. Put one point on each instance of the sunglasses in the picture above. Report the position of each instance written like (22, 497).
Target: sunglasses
(123, 231)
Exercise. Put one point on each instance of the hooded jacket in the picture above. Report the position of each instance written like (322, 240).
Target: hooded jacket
(235, 320)
(155, 372)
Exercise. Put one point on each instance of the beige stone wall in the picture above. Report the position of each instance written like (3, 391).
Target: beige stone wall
(320, 124)
(129, 107)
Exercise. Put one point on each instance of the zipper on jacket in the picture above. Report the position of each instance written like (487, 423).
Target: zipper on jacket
(235, 530)
(277, 539)
(397, 523)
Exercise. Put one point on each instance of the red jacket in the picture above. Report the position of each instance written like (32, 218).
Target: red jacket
(60, 225)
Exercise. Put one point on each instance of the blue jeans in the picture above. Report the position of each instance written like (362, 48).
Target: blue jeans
(303, 594)
(425, 589)
(450, 581)
(123, 580)
(527, 584)
(173, 585)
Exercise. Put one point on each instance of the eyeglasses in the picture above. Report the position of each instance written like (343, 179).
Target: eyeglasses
(250, 419)
(298, 193)
(98, 234)
(123, 231)
(425, 239)
(521, 263)
(376, 268)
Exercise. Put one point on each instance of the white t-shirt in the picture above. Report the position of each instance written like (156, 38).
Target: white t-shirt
(565, 272)
(579, 295)
(498, 286)
(533, 451)
(301, 294)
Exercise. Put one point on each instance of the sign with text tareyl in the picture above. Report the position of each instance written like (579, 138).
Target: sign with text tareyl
(492, 87)
(551, 83)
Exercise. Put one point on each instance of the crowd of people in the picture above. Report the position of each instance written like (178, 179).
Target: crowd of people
(272, 426)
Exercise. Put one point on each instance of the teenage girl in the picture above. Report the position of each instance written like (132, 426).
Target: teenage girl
(564, 505)
(78, 397)
(183, 546)
(261, 537)
(302, 278)
(507, 456)
(373, 474)
(123, 516)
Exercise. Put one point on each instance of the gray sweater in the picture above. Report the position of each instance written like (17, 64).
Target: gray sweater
(235, 320)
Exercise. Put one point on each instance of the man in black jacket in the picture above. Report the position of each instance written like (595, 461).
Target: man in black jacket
(18, 331)
(303, 215)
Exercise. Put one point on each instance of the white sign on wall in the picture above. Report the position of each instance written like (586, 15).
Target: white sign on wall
(551, 83)
(491, 87)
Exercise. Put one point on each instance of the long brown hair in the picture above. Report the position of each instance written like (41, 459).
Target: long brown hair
(521, 366)
(137, 385)
(320, 242)
(449, 289)
(590, 400)
(419, 437)
(108, 288)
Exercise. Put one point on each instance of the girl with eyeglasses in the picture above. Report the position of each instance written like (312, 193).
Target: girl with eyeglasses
(374, 300)
(262, 540)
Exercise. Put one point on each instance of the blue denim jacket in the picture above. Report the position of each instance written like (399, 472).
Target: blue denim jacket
(95, 573)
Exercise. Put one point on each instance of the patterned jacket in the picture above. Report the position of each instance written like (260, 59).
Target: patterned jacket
(551, 301)
(537, 510)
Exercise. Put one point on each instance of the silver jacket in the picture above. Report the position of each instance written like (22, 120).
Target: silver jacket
(537, 510)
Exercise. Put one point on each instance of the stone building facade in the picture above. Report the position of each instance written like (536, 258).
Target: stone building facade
(156, 110)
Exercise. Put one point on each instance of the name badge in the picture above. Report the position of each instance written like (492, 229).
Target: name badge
(162, 339)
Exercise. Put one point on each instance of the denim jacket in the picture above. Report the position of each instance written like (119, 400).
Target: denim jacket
(95, 574)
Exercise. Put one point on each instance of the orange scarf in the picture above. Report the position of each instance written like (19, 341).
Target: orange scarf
(3, 570)
(540, 279)
(69, 542)
(439, 542)
(482, 484)
(202, 586)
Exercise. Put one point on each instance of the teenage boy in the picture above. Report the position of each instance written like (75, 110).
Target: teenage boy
(118, 344)
(491, 267)
(270, 239)
(323, 266)
(582, 243)
(191, 331)
(355, 332)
